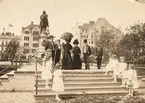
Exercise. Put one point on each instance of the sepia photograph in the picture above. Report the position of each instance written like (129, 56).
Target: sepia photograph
(72, 51)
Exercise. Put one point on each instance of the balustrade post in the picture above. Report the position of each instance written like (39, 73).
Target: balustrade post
(36, 77)
(16, 66)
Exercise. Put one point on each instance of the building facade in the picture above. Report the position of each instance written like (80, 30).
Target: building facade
(30, 38)
(5, 38)
(93, 30)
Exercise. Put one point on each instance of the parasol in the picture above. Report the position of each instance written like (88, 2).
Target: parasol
(67, 36)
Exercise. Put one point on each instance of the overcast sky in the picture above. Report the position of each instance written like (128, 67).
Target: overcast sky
(64, 14)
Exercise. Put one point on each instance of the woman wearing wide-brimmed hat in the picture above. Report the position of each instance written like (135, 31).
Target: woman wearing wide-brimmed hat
(77, 63)
(66, 51)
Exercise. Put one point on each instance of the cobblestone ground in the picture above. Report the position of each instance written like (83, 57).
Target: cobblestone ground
(16, 97)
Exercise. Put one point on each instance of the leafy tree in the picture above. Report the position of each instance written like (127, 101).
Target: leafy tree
(133, 43)
(108, 41)
(11, 50)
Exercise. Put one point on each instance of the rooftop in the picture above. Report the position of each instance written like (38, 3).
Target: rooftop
(31, 26)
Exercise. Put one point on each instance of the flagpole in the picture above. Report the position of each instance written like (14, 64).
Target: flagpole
(7, 29)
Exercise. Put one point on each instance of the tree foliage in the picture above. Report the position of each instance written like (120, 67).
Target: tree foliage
(133, 43)
(108, 41)
(11, 50)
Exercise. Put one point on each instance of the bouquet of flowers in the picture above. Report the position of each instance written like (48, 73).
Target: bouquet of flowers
(67, 36)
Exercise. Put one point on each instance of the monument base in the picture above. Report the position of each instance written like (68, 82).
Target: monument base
(41, 49)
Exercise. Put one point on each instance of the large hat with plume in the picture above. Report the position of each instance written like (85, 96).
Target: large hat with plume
(67, 36)
(51, 36)
(76, 41)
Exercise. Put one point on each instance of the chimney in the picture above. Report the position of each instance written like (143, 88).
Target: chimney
(32, 23)
(91, 22)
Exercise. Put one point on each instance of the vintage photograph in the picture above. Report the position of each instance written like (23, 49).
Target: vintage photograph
(72, 51)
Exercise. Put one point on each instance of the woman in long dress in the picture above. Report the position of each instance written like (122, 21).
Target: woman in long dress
(66, 55)
(77, 63)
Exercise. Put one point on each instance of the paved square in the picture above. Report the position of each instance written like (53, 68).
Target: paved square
(16, 97)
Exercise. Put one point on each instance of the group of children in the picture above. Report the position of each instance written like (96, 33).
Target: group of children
(125, 71)
(54, 74)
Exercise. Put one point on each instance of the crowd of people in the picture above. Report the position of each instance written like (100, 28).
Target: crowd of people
(71, 56)
(64, 56)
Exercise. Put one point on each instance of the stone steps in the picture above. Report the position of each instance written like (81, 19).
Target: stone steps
(76, 82)
(76, 93)
(79, 84)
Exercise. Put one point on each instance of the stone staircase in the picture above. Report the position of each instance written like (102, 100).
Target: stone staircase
(76, 82)
(79, 82)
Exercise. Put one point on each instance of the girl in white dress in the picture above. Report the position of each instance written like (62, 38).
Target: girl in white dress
(122, 68)
(47, 68)
(113, 62)
(57, 85)
(132, 82)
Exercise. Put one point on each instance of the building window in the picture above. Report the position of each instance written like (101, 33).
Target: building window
(33, 50)
(92, 36)
(2, 42)
(84, 37)
(35, 38)
(87, 36)
(26, 38)
(35, 45)
(35, 32)
(6, 43)
(26, 32)
(26, 50)
(26, 44)
(92, 42)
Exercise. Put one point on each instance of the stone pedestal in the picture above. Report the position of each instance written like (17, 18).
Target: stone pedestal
(41, 49)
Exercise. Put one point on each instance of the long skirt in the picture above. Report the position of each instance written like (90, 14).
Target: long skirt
(77, 63)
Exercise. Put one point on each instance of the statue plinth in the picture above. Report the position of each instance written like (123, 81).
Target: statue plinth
(41, 49)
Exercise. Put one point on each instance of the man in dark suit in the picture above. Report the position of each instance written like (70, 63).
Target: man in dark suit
(99, 52)
(86, 53)
(57, 51)
(51, 37)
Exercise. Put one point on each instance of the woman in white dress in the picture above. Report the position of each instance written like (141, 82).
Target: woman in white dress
(47, 68)
(57, 85)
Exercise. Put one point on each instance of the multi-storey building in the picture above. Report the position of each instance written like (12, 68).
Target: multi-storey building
(93, 30)
(30, 38)
(5, 38)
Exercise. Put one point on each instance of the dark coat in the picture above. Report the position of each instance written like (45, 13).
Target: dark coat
(99, 51)
(77, 62)
(66, 57)
(57, 53)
